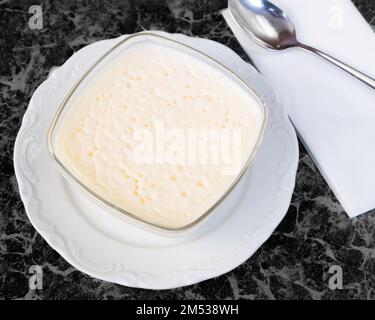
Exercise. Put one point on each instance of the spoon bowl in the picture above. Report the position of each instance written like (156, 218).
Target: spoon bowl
(265, 23)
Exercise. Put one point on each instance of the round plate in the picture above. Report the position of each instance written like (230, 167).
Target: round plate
(105, 247)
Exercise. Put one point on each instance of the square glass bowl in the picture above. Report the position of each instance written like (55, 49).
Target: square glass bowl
(105, 61)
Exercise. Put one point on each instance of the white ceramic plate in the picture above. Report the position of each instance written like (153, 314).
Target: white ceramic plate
(109, 248)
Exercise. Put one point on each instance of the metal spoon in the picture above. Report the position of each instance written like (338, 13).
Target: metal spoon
(270, 27)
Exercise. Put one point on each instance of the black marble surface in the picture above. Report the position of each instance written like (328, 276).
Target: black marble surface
(292, 264)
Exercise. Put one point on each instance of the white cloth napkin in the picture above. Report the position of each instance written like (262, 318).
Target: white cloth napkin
(333, 113)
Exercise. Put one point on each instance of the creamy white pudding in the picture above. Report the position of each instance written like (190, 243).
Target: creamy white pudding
(160, 134)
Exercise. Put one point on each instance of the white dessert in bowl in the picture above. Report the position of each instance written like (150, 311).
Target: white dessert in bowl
(158, 132)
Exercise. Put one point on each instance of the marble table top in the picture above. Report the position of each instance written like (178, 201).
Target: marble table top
(293, 264)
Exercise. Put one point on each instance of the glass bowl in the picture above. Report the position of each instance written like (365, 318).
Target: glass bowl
(106, 60)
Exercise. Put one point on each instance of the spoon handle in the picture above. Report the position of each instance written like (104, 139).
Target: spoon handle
(352, 71)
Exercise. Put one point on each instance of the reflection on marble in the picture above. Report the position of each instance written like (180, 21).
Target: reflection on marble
(293, 263)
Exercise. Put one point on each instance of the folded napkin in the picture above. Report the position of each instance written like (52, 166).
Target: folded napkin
(333, 113)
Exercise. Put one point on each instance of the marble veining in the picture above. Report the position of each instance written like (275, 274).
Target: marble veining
(292, 264)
